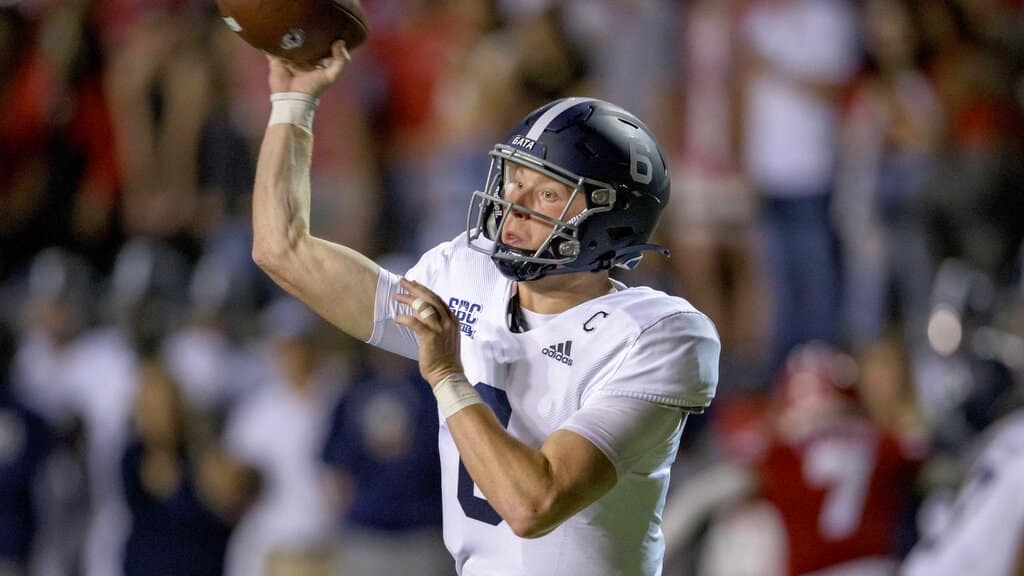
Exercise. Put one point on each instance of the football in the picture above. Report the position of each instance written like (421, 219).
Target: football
(300, 31)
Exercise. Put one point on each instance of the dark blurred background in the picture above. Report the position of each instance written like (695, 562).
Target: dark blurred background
(847, 207)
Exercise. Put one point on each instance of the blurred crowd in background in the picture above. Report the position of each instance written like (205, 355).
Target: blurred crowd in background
(847, 206)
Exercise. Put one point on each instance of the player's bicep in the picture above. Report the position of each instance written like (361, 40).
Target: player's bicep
(336, 282)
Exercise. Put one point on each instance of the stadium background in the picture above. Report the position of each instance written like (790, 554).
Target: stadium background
(844, 172)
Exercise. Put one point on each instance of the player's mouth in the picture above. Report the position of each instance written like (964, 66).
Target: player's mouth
(511, 239)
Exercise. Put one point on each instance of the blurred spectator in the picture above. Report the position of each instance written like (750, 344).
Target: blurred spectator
(65, 508)
(279, 431)
(798, 55)
(974, 193)
(25, 442)
(147, 292)
(212, 355)
(551, 63)
(58, 296)
(345, 178)
(892, 133)
(182, 496)
(103, 377)
(644, 32)
(186, 167)
(712, 208)
(59, 181)
(414, 61)
(382, 450)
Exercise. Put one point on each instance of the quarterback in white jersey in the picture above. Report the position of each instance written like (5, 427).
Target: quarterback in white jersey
(562, 393)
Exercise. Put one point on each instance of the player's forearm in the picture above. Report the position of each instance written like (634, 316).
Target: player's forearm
(281, 195)
(522, 484)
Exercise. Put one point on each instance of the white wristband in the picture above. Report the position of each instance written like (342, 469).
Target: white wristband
(295, 108)
(455, 393)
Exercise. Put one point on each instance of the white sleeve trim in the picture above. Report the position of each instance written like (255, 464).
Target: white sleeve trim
(386, 333)
(625, 429)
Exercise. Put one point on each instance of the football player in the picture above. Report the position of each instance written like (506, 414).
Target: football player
(984, 531)
(562, 393)
(837, 481)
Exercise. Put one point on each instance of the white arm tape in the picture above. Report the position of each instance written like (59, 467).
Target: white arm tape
(455, 393)
(295, 108)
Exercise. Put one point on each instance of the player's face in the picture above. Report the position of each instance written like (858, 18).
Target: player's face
(531, 189)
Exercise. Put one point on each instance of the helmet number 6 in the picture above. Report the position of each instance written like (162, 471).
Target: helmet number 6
(640, 166)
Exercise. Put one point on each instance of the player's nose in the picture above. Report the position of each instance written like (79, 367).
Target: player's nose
(519, 212)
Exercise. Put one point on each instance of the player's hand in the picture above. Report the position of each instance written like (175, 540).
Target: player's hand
(437, 330)
(287, 76)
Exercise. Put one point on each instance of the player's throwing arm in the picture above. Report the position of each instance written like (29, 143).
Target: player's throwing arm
(335, 281)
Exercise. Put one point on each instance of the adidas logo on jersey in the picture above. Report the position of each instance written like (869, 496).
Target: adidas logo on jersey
(561, 352)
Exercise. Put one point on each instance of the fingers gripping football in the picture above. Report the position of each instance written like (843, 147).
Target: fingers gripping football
(437, 331)
(287, 76)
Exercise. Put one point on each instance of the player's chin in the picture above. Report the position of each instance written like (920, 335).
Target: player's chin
(523, 247)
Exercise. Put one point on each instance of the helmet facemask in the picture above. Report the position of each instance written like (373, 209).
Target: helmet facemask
(489, 211)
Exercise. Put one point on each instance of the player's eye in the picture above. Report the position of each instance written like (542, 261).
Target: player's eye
(549, 195)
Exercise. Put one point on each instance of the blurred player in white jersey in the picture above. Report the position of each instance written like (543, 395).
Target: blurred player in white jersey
(562, 393)
(984, 533)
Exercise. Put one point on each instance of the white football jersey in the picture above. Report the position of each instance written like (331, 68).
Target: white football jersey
(984, 534)
(634, 342)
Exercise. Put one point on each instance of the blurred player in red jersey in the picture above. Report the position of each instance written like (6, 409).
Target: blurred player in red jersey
(839, 482)
(837, 479)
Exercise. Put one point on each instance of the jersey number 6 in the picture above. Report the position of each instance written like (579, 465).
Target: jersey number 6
(475, 507)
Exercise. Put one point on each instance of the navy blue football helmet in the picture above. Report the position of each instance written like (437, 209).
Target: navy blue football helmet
(600, 151)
